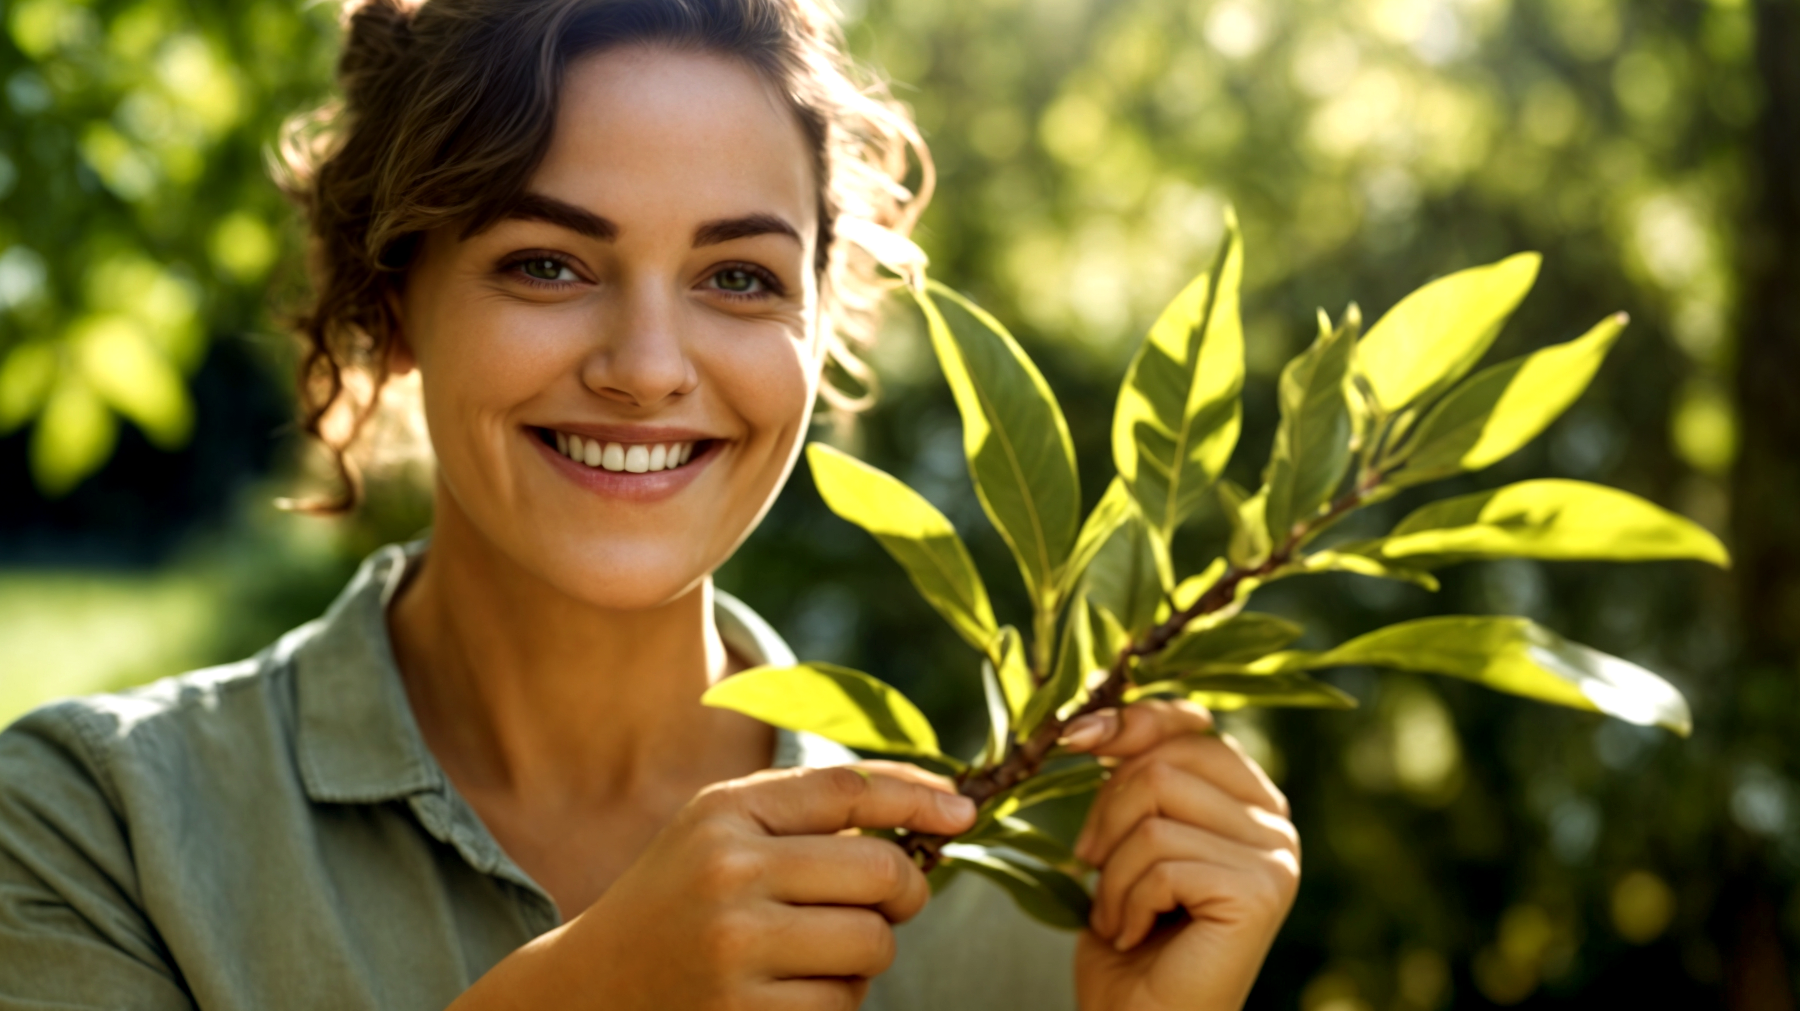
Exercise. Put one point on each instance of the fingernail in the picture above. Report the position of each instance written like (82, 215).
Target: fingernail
(1084, 733)
(956, 806)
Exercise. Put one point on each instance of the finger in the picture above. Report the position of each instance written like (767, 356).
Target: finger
(826, 941)
(1137, 728)
(1253, 896)
(819, 801)
(1164, 789)
(908, 772)
(810, 995)
(1220, 760)
(846, 871)
(1154, 841)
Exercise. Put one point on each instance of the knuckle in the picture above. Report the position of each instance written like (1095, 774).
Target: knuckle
(875, 939)
(843, 783)
(725, 869)
(728, 939)
(1160, 832)
(1161, 777)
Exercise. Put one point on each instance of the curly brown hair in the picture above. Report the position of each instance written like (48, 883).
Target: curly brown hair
(448, 107)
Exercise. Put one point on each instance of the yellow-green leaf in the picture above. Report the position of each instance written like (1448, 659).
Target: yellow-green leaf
(1312, 441)
(1041, 788)
(1016, 684)
(914, 532)
(1548, 519)
(1229, 644)
(73, 437)
(1114, 508)
(122, 365)
(999, 717)
(1042, 892)
(1074, 659)
(837, 703)
(26, 379)
(1020, 455)
(1249, 545)
(1125, 577)
(1362, 565)
(1023, 836)
(1179, 411)
(1435, 335)
(1513, 655)
(1228, 692)
(1501, 408)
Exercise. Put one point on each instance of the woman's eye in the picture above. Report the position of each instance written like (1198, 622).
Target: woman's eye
(545, 269)
(738, 281)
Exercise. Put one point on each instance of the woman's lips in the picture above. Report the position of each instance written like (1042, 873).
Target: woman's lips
(642, 471)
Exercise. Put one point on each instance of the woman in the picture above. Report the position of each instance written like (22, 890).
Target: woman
(602, 233)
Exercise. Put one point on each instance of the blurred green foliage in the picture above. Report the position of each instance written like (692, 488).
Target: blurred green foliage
(1462, 850)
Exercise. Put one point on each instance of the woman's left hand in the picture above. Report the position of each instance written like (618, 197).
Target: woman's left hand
(1198, 863)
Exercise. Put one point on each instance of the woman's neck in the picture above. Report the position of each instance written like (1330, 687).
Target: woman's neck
(524, 692)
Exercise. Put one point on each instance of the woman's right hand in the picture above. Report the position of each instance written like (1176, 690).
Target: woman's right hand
(751, 898)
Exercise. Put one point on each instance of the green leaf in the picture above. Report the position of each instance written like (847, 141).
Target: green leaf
(1020, 455)
(123, 365)
(1501, 408)
(1020, 835)
(1179, 412)
(1125, 576)
(1074, 659)
(26, 378)
(1312, 442)
(1436, 334)
(999, 717)
(1045, 786)
(1547, 519)
(914, 532)
(1362, 565)
(1109, 637)
(1249, 545)
(1044, 893)
(1111, 512)
(1014, 674)
(1228, 692)
(837, 703)
(1513, 655)
(1245, 637)
(1190, 590)
(73, 438)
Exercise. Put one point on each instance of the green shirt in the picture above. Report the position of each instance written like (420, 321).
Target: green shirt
(275, 834)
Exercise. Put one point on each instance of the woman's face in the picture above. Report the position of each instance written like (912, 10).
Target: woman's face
(618, 375)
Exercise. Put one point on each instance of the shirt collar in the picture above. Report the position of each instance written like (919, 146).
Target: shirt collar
(358, 742)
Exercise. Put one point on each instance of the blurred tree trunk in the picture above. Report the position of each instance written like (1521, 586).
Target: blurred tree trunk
(1766, 484)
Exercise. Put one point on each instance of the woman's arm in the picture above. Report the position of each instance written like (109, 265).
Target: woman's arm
(73, 931)
(1187, 825)
(749, 899)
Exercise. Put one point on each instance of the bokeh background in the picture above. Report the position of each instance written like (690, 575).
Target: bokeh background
(1463, 849)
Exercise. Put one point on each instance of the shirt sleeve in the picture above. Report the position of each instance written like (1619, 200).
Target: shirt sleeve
(73, 933)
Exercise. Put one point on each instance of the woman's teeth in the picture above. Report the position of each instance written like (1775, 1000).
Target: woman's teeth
(635, 458)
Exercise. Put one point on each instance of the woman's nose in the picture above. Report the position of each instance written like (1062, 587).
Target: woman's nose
(639, 359)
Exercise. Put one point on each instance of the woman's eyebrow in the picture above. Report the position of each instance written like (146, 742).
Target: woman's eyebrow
(537, 207)
(712, 233)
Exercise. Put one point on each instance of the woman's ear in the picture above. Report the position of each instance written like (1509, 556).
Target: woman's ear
(400, 358)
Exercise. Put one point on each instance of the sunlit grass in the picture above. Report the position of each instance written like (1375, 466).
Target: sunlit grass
(72, 633)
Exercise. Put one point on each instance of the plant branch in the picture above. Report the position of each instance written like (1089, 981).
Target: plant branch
(1024, 760)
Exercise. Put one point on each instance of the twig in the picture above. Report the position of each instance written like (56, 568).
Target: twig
(1024, 761)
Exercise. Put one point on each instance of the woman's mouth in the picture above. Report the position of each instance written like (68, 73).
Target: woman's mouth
(627, 457)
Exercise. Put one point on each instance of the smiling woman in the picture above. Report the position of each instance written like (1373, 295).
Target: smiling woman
(603, 234)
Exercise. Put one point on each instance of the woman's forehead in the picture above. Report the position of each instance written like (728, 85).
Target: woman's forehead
(665, 136)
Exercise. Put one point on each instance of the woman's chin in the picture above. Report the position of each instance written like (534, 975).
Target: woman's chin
(631, 583)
